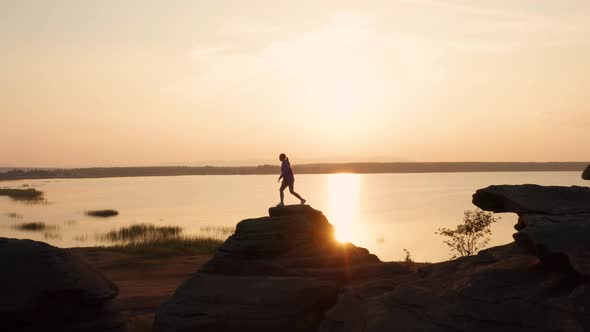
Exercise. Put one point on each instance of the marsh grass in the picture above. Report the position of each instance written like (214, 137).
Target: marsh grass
(149, 239)
(80, 238)
(14, 215)
(218, 232)
(141, 233)
(36, 227)
(102, 213)
(51, 235)
(27, 195)
(163, 247)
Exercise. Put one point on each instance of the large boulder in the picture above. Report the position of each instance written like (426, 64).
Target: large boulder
(586, 174)
(530, 198)
(276, 273)
(533, 220)
(561, 242)
(501, 289)
(294, 241)
(553, 223)
(44, 288)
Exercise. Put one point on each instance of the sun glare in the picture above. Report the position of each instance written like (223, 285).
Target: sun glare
(343, 203)
(332, 96)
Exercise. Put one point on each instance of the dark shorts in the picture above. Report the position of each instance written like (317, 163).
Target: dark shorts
(288, 183)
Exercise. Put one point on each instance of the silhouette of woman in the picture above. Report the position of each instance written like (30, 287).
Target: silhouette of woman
(288, 180)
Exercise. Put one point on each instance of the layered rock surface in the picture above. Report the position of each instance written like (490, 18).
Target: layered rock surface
(501, 289)
(294, 241)
(555, 227)
(537, 283)
(225, 303)
(44, 288)
(531, 198)
(276, 273)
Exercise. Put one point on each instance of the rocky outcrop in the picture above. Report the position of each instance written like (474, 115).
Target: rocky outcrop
(537, 283)
(294, 241)
(501, 289)
(561, 244)
(275, 273)
(532, 198)
(553, 223)
(586, 174)
(44, 288)
(286, 273)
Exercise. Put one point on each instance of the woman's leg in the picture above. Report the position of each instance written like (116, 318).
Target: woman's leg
(291, 186)
(283, 187)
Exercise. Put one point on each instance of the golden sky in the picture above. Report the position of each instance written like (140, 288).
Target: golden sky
(120, 82)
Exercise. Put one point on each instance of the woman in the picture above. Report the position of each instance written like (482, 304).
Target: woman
(288, 180)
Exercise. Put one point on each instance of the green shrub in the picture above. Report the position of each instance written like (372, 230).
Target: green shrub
(470, 236)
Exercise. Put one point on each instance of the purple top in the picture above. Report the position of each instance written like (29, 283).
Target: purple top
(287, 172)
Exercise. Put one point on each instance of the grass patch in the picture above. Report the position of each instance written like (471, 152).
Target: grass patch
(181, 245)
(142, 233)
(80, 238)
(221, 232)
(149, 239)
(102, 213)
(50, 235)
(14, 215)
(29, 194)
(36, 227)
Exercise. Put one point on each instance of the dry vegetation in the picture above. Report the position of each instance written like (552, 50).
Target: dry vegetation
(160, 240)
(36, 227)
(102, 213)
(29, 194)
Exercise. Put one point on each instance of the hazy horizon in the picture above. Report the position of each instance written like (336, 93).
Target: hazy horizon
(239, 164)
(138, 83)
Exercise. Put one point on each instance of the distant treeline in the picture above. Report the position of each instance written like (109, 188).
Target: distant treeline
(399, 167)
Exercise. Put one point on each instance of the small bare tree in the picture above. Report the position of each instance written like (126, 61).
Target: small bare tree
(470, 236)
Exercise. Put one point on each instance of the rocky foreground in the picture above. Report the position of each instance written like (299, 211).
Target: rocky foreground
(276, 273)
(43, 288)
(537, 283)
(286, 272)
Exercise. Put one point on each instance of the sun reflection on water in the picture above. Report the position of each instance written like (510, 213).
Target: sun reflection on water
(343, 203)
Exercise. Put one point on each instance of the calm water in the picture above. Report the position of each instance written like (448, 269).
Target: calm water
(383, 212)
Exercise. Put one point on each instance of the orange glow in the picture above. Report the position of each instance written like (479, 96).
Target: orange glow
(343, 204)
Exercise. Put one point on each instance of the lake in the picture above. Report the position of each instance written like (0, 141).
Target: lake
(384, 213)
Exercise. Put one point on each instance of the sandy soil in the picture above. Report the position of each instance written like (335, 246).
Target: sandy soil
(145, 282)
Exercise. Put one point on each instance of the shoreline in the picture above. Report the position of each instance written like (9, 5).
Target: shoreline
(352, 168)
